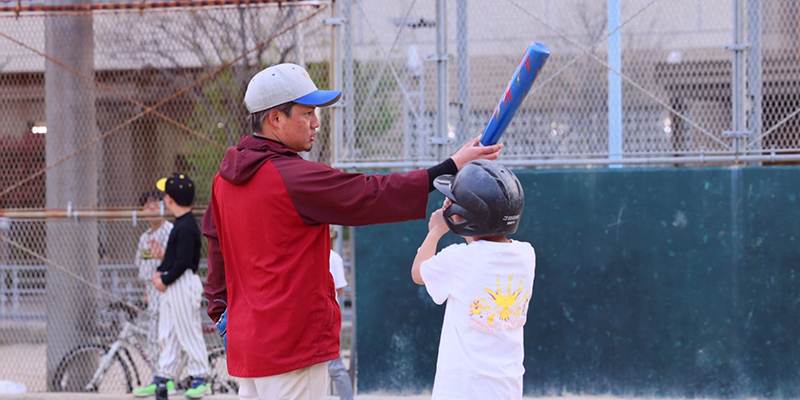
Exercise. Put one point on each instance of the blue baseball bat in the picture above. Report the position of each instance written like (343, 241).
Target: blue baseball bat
(516, 91)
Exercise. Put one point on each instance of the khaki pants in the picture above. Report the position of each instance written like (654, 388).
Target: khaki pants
(308, 383)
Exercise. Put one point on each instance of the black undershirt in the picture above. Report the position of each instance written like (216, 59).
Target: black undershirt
(446, 167)
(183, 249)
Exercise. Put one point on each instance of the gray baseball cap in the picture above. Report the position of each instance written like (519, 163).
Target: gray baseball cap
(283, 83)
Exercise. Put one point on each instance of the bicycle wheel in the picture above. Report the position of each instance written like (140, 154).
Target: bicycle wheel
(78, 367)
(221, 381)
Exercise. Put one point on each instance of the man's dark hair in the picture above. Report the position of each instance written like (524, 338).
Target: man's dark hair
(257, 118)
(150, 195)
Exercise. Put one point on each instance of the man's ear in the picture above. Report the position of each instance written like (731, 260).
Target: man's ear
(275, 118)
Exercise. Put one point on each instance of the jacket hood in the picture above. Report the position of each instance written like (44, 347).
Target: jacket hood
(242, 162)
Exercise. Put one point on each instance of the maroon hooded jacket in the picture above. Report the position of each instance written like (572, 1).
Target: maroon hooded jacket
(269, 249)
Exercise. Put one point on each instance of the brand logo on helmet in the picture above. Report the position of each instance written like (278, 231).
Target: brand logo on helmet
(511, 217)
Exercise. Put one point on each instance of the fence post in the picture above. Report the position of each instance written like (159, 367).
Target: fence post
(348, 77)
(440, 137)
(614, 84)
(15, 289)
(337, 76)
(738, 125)
(754, 83)
(462, 26)
(71, 118)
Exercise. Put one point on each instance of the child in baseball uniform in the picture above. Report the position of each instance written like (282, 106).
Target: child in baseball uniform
(179, 328)
(148, 257)
(487, 283)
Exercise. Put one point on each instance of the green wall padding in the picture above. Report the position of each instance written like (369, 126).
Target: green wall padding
(652, 282)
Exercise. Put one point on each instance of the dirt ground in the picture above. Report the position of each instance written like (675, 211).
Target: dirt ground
(29, 367)
(65, 396)
(24, 363)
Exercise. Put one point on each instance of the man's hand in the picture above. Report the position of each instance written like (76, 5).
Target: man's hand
(222, 327)
(471, 151)
(155, 249)
(158, 283)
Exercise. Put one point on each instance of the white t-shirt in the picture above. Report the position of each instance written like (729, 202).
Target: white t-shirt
(487, 286)
(144, 260)
(337, 270)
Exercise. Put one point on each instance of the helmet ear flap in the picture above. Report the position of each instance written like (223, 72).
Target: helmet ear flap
(463, 228)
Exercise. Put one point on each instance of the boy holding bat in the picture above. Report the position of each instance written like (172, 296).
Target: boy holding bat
(486, 282)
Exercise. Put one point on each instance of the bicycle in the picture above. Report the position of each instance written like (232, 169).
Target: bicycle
(118, 372)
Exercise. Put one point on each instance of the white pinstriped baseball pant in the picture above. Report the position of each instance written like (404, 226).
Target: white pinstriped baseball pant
(153, 300)
(179, 328)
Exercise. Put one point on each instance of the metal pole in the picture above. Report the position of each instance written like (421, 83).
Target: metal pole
(349, 129)
(297, 38)
(754, 84)
(614, 83)
(711, 159)
(349, 76)
(463, 71)
(658, 160)
(441, 79)
(353, 299)
(408, 124)
(293, 18)
(338, 79)
(71, 116)
(81, 214)
(136, 5)
(737, 85)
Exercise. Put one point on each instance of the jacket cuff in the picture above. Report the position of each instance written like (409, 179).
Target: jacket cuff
(215, 309)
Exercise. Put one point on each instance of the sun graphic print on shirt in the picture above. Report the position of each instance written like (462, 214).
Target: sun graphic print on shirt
(500, 310)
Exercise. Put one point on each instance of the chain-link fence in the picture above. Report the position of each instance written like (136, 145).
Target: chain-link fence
(148, 91)
(60, 318)
(633, 81)
(98, 102)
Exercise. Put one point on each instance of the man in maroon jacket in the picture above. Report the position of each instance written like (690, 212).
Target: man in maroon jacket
(268, 244)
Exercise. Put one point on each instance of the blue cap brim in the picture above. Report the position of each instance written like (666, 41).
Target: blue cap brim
(320, 98)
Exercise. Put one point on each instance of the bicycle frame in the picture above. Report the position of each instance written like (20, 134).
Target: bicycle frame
(126, 335)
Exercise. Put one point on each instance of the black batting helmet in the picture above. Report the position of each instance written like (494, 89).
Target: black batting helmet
(487, 195)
